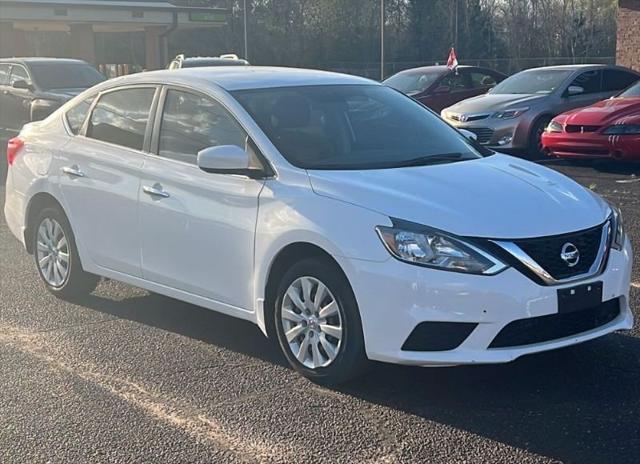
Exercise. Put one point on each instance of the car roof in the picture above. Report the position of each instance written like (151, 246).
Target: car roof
(578, 67)
(233, 78)
(211, 59)
(438, 68)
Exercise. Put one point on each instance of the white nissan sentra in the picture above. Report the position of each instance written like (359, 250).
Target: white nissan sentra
(344, 219)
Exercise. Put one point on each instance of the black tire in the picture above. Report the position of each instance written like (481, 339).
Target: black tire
(77, 282)
(351, 360)
(535, 138)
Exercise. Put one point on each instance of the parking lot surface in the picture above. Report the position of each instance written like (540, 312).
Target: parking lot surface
(127, 376)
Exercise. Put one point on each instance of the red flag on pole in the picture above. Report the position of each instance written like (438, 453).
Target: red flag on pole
(452, 61)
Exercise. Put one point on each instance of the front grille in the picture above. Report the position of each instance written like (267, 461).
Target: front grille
(581, 129)
(546, 252)
(468, 117)
(484, 133)
(555, 326)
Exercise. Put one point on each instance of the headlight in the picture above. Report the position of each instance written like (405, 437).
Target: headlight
(509, 114)
(623, 129)
(432, 248)
(617, 228)
(555, 127)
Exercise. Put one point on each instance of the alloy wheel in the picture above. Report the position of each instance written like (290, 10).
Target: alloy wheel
(53, 252)
(312, 322)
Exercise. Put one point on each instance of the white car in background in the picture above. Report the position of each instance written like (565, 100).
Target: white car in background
(340, 216)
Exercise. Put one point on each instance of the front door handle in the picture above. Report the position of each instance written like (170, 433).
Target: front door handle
(73, 171)
(155, 190)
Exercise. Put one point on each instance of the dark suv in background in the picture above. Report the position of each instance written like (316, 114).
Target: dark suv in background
(32, 88)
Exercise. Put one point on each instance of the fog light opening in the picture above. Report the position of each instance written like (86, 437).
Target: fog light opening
(505, 140)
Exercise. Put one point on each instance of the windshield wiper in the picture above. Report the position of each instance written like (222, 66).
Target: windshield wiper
(433, 159)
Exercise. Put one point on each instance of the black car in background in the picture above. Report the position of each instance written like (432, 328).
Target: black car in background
(32, 88)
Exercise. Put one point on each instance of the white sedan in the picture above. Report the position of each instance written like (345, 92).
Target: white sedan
(343, 218)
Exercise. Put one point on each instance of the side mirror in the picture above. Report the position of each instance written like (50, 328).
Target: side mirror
(227, 159)
(22, 84)
(442, 89)
(575, 90)
(470, 135)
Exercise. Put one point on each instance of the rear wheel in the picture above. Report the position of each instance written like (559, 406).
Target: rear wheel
(536, 150)
(57, 258)
(318, 323)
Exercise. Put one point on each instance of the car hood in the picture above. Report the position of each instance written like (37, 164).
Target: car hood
(495, 102)
(604, 113)
(494, 197)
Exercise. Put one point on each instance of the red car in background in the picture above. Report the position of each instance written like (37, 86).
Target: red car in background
(439, 87)
(608, 129)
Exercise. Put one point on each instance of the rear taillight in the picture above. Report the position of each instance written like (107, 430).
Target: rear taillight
(13, 148)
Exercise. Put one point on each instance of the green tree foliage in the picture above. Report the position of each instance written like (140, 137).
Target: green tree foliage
(328, 33)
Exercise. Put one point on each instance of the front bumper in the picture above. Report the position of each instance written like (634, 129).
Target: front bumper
(395, 297)
(493, 132)
(592, 145)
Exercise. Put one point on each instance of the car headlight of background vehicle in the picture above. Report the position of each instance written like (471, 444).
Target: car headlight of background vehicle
(432, 248)
(510, 114)
(555, 127)
(623, 129)
(617, 228)
(43, 107)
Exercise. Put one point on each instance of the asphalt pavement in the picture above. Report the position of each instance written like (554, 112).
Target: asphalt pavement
(126, 376)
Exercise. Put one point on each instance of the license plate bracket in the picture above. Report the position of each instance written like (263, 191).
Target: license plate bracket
(579, 297)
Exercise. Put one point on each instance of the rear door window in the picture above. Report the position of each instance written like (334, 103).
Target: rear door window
(121, 117)
(590, 81)
(18, 73)
(614, 80)
(456, 81)
(482, 80)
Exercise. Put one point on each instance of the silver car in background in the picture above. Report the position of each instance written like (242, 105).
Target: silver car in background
(515, 113)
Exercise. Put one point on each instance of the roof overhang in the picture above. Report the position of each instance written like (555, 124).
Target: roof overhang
(106, 15)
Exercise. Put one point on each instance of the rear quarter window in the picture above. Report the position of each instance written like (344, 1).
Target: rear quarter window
(4, 73)
(76, 116)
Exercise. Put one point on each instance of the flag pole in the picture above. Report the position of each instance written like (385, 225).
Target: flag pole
(381, 40)
(246, 45)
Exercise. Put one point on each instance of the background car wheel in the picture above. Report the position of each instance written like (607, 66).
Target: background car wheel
(57, 258)
(318, 323)
(536, 150)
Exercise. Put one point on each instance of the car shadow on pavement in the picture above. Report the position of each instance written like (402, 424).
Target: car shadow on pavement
(190, 321)
(578, 404)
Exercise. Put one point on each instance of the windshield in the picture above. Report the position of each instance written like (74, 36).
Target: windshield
(353, 127)
(51, 76)
(530, 82)
(633, 91)
(411, 83)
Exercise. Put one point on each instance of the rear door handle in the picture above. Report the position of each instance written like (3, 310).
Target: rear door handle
(73, 171)
(156, 190)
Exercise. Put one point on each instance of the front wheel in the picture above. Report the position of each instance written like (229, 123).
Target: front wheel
(318, 323)
(57, 258)
(536, 150)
